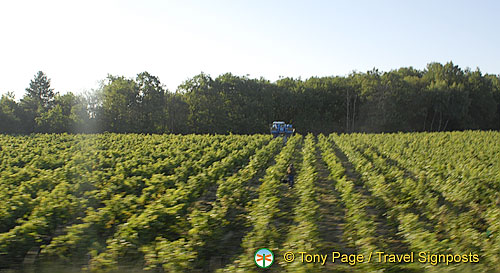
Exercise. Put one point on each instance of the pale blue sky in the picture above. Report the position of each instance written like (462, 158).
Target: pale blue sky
(78, 43)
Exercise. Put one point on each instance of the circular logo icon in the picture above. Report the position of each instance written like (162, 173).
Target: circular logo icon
(263, 258)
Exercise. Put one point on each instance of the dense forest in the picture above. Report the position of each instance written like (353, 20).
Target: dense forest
(439, 98)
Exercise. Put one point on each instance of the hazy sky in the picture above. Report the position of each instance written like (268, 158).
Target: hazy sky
(78, 43)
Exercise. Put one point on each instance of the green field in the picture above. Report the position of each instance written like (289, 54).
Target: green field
(206, 203)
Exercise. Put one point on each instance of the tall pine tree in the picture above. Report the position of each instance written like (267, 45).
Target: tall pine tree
(40, 92)
(39, 99)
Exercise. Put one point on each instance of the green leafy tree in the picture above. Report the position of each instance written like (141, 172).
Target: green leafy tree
(53, 121)
(482, 107)
(120, 105)
(10, 121)
(495, 85)
(68, 115)
(246, 105)
(151, 103)
(177, 114)
(449, 97)
(206, 107)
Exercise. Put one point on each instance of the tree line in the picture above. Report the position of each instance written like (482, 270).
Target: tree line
(438, 98)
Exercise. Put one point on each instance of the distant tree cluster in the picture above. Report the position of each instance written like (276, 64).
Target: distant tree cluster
(439, 98)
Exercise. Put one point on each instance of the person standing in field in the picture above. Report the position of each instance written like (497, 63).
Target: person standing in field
(291, 174)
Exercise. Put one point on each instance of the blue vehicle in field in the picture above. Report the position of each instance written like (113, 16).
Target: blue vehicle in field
(280, 128)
